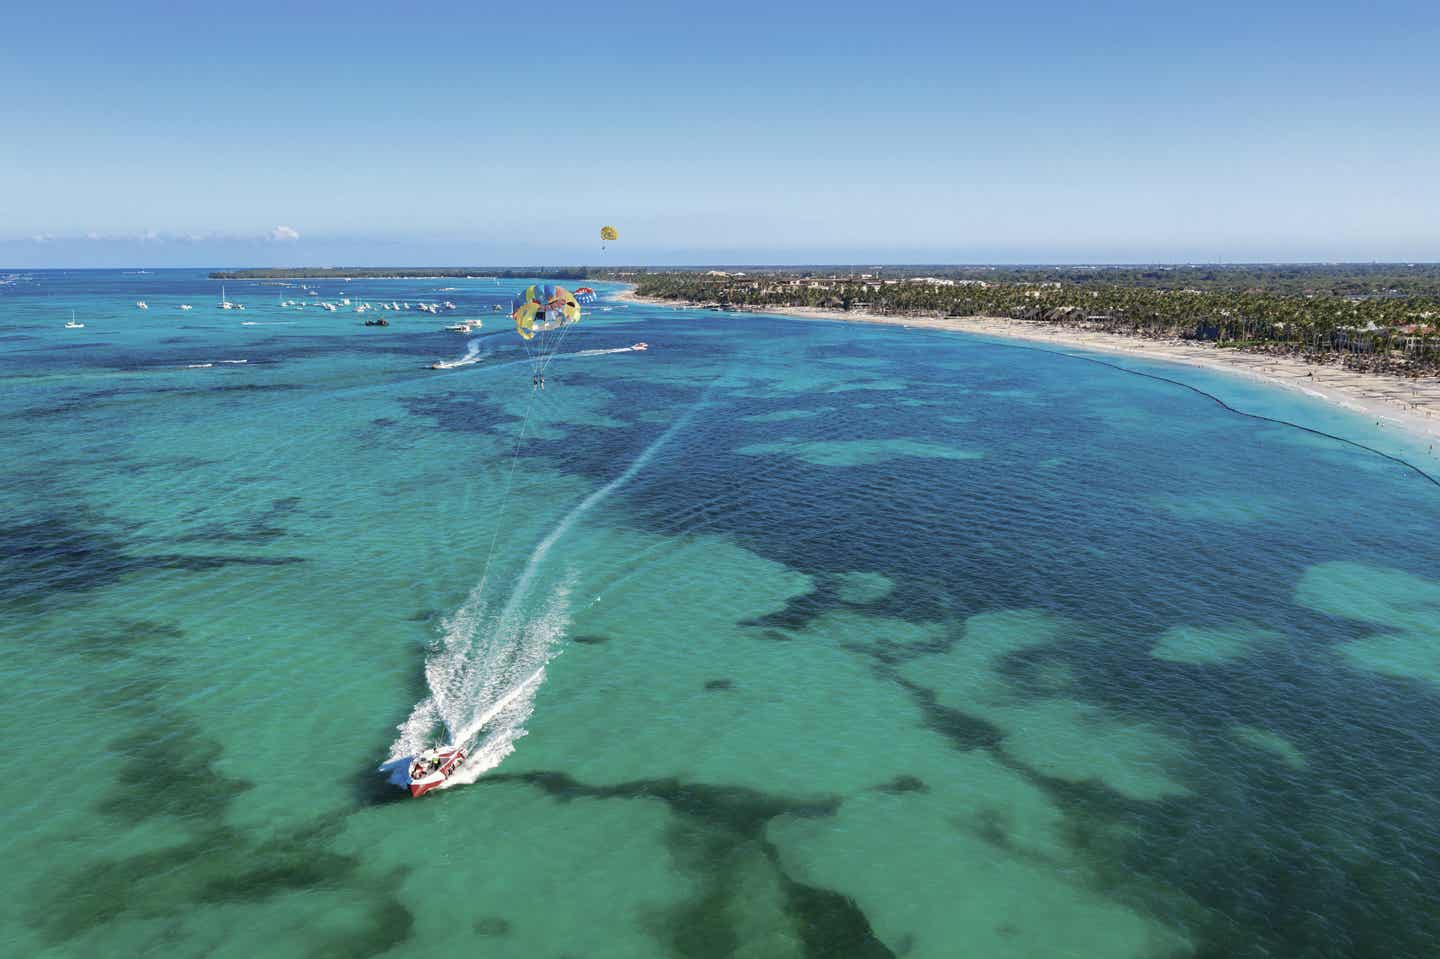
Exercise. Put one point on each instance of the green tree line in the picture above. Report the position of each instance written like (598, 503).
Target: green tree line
(1398, 333)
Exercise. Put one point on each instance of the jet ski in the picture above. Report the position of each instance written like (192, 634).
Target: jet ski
(432, 767)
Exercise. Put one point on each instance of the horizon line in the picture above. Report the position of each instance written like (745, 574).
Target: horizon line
(687, 267)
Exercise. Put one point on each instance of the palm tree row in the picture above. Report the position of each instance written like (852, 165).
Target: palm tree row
(1396, 333)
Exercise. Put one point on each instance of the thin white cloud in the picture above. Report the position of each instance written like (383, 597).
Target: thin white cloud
(281, 234)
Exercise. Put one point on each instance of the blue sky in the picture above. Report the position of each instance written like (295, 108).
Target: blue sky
(167, 134)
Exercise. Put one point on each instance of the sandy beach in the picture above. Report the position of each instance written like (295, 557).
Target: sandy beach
(1395, 403)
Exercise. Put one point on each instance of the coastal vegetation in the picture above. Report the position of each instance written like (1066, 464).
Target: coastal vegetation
(411, 273)
(1384, 319)
(1373, 280)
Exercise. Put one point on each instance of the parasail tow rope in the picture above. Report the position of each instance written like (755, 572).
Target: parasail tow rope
(505, 500)
(554, 351)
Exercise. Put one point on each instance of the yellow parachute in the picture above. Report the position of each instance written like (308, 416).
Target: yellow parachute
(543, 308)
(609, 233)
(543, 315)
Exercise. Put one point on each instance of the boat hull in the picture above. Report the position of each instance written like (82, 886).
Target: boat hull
(450, 760)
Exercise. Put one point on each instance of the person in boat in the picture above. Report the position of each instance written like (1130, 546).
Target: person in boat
(426, 763)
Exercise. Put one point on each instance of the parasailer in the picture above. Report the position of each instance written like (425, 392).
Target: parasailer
(607, 235)
(543, 315)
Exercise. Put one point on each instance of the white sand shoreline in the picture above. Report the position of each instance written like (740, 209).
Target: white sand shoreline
(1394, 403)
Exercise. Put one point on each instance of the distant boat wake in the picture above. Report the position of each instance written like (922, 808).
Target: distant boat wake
(472, 356)
(619, 349)
(487, 667)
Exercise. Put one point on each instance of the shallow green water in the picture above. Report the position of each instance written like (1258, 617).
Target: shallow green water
(796, 639)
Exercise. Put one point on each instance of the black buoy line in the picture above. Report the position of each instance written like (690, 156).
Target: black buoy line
(1228, 408)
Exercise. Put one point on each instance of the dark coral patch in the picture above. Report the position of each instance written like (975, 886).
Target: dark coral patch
(904, 784)
(719, 830)
(830, 923)
(492, 926)
(964, 731)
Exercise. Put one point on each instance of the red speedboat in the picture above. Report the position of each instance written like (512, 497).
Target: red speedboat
(432, 767)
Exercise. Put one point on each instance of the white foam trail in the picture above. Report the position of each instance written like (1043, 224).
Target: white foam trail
(199, 366)
(484, 673)
(472, 355)
(618, 349)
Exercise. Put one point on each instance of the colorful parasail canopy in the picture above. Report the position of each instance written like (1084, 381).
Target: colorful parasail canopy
(584, 295)
(609, 233)
(542, 308)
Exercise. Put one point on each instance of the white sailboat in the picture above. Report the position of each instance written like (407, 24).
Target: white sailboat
(72, 325)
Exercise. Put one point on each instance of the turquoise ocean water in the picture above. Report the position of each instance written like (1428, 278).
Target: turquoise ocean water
(795, 639)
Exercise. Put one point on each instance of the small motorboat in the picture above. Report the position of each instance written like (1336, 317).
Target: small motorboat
(641, 346)
(380, 322)
(458, 328)
(142, 305)
(432, 767)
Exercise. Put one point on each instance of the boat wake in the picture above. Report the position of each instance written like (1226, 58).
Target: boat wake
(471, 357)
(482, 675)
(637, 348)
(484, 672)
